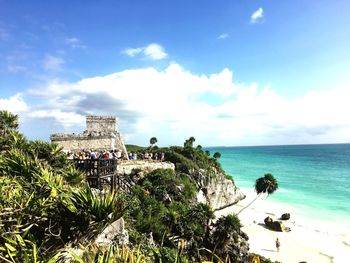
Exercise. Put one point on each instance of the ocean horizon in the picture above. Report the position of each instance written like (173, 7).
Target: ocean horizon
(314, 179)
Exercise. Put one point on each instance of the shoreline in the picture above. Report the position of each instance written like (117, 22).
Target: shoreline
(309, 240)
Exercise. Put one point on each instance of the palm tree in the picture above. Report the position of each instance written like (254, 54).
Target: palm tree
(189, 142)
(226, 228)
(217, 155)
(267, 184)
(8, 121)
(13, 140)
(153, 141)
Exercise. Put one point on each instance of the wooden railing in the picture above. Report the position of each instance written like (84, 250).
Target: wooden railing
(98, 172)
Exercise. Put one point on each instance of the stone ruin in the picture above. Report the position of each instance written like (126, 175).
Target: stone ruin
(101, 134)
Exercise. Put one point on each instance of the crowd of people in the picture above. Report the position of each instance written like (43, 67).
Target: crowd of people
(94, 155)
(147, 156)
(114, 154)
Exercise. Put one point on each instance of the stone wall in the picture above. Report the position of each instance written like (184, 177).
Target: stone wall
(78, 142)
(101, 134)
(129, 167)
(101, 124)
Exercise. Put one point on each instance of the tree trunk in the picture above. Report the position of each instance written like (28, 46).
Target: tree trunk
(249, 204)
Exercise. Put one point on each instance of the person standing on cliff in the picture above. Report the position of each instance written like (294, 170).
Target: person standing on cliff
(278, 244)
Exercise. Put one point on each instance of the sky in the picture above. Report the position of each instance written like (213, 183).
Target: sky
(228, 72)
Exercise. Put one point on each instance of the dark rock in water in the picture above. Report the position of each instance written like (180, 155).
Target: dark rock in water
(275, 225)
(285, 216)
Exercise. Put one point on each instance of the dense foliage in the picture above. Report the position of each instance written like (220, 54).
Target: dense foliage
(187, 158)
(163, 205)
(134, 148)
(48, 212)
(45, 202)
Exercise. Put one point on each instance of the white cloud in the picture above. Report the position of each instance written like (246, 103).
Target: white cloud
(133, 51)
(223, 36)
(257, 16)
(152, 51)
(174, 104)
(14, 104)
(67, 119)
(72, 40)
(74, 43)
(53, 62)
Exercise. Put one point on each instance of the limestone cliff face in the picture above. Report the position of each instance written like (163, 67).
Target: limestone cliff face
(132, 167)
(130, 172)
(217, 191)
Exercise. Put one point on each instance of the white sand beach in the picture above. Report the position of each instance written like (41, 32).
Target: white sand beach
(309, 240)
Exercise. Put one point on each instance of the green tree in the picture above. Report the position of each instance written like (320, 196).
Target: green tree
(8, 121)
(199, 147)
(217, 155)
(266, 184)
(45, 203)
(9, 135)
(226, 234)
(189, 142)
(153, 141)
(13, 139)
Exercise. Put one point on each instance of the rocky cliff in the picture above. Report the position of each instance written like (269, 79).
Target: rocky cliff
(217, 191)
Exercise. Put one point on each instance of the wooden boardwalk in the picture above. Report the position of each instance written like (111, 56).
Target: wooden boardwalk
(99, 172)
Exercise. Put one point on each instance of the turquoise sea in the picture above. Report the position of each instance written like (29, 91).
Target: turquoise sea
(315, 179)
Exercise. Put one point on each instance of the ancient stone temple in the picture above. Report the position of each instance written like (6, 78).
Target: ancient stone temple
(101, 134)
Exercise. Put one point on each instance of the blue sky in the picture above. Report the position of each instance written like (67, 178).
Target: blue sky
(226, 72)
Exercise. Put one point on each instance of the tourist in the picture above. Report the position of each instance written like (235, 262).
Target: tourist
(70, 156)
(116, 154)
(278, 244)
(156, 156)
(162, 157)
(106, 154)
(93, 155)
(119, 154)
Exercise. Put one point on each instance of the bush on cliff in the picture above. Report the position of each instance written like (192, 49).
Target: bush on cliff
(46, 206)
(45, 203)
(163, 205)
